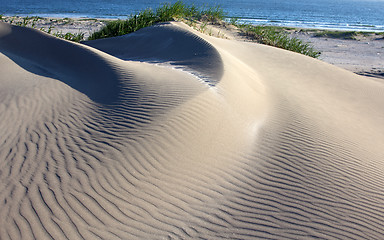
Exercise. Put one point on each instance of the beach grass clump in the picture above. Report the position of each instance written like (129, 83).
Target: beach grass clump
(351, 35)
(24, 21)
(168, 12)
(277, 37)
(346, 35)
(74, 37)
(32, 23)
(115, 28)
(212, 14)
(148, 17)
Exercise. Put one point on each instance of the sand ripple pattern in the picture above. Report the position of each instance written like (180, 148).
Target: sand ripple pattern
(240, 142)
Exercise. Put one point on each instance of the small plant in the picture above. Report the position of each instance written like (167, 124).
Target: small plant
(234, 21)
(203, 27)
(75, 37)
(169, 12)
(220, 35)
(213, 14)
(191, 23)
(49, 29)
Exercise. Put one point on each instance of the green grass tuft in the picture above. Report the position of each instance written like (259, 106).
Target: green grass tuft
(32, 21)
(75, 37)
(337, 34)
(149, 17)
(276, 37)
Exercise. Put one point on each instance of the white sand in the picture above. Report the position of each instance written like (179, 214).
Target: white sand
(364, 56)
(167, 133)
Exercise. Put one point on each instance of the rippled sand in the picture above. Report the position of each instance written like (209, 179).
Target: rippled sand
(167, 133)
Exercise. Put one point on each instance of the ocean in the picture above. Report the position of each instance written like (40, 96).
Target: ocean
(362, 15)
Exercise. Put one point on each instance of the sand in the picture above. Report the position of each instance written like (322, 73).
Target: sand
(168, 133)
(364, 56)
(59, 25)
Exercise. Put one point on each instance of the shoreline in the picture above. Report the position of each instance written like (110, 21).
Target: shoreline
(363, 55)
(316, 26)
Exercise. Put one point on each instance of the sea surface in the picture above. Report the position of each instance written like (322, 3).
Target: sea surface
(363, 15)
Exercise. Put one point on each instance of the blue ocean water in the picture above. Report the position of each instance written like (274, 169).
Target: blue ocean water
(365, 15)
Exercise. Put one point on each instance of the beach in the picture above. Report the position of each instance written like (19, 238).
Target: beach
(364, 55)
(174, 133)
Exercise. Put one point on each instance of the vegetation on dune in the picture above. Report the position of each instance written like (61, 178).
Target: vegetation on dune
(32, 22)
(348, 35)
(149, 17)
(269, 35)
(179, 11)
(337, 34)
(277, 37)
(75, 37)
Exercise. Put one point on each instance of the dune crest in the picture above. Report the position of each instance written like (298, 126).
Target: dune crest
(171, 134)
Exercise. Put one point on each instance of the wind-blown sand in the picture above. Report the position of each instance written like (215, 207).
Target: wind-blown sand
(364, 56)
(167, 133)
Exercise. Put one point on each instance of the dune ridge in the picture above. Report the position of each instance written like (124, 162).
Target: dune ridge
(205, 139)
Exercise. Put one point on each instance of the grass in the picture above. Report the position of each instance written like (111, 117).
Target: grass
(277, 37)
(149, 17)
(75, 37)
(347, 35)
(190, 14)
(32, 21)
(337, 34)
(169, 12)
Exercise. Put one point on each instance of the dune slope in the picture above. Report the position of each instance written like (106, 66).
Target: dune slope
(171, 134)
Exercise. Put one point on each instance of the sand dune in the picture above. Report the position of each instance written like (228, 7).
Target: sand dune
(170, 134)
